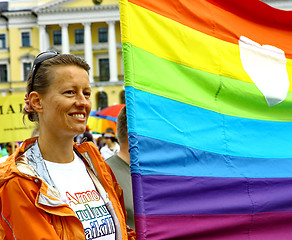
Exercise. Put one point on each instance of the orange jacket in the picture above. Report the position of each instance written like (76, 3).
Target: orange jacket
(31, 208)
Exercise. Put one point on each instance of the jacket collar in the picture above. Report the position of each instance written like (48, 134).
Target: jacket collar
(35, 159)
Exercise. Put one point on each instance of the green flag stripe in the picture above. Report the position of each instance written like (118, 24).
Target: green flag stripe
(147, 72)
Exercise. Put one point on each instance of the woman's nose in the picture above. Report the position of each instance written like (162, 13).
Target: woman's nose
(81, 100)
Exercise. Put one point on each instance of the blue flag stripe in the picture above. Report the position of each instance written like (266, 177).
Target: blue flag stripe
(164, 158)
(198, 128)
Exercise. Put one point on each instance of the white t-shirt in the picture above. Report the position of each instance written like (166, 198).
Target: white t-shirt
(106, 152)
(4, 158)
(78, 191)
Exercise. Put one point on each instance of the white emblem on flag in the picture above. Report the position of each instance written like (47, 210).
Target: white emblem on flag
(266, 66)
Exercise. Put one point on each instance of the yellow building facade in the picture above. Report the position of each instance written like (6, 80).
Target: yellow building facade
(87, 28)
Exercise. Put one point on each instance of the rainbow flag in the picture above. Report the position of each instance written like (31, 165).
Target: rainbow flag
(209, 108)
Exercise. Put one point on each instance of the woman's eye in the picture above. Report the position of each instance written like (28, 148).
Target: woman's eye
(69, 92)
(87, 94)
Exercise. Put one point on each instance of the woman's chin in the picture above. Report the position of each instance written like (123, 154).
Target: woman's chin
(80, 130)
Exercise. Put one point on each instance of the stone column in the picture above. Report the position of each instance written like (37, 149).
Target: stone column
(43, 38)
(47, 40)
(65, 38)
(112, 49)
(88, 48)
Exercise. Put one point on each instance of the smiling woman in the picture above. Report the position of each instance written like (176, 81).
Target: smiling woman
(48, 174)
(67, 105)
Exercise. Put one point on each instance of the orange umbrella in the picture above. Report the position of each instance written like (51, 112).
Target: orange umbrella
(99, 121)
(99, 125)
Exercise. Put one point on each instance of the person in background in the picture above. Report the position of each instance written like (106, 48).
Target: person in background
(4, 151)
(111, 146)
(100, 142)
(52, 188)
(120, 164)
(10, 147)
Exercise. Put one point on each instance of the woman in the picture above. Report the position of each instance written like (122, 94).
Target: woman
(51, 188)
(10, 148)
(111, 146)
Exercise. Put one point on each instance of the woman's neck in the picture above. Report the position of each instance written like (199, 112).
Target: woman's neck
(58, 150)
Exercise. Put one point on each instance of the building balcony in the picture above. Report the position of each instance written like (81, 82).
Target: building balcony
(13, 86)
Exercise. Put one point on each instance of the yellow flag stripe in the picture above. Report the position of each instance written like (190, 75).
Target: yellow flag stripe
(193, 48)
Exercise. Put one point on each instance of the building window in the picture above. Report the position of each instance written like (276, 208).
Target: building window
(3, 73)
(26, 69)
(102, 100)
(79, 36)
(57, 37)
(25, 39)
(104, 69)
(2, 41)
(122, 97)
(102, 34)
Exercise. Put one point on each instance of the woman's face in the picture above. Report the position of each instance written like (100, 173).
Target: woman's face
(67, 105)
(108, 140)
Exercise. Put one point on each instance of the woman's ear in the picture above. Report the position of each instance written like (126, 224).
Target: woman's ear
(35, 101)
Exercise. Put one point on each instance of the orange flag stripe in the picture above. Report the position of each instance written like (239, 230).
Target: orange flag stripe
(228, 23)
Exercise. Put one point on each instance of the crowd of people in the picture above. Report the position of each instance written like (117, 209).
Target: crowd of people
(62, 183)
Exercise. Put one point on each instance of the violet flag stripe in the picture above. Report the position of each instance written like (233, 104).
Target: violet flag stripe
(180, 195)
